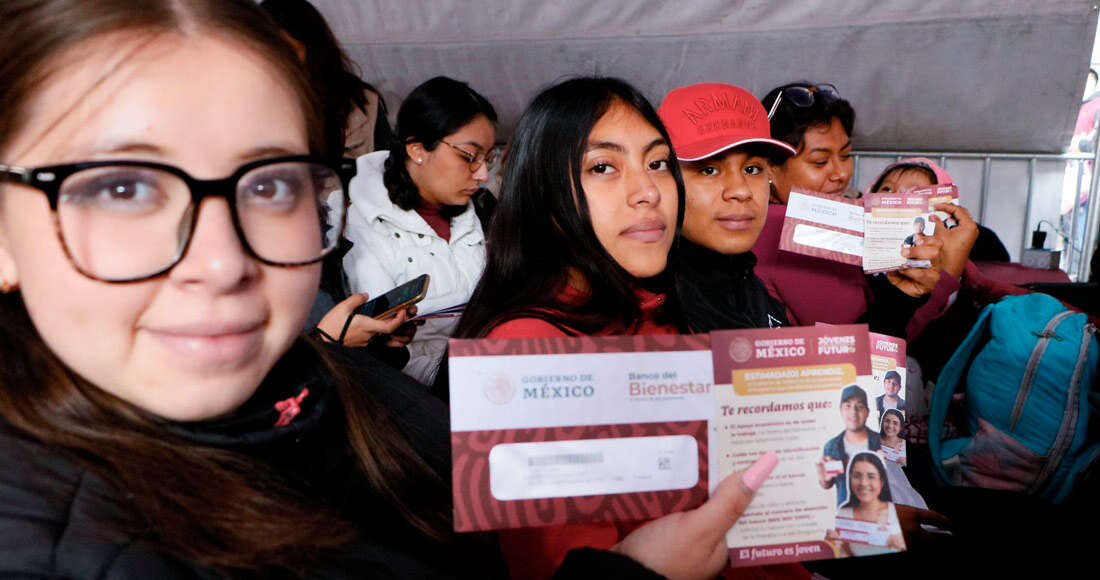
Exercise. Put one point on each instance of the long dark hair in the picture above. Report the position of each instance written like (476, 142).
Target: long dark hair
(873, 459)
(332, 73)
(790, 122)
(205, 505)
(541, 229)
(433, 110)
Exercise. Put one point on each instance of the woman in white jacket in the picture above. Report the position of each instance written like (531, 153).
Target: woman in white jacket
(411, 212)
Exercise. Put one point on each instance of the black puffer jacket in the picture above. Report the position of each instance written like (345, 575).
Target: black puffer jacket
(61, 520)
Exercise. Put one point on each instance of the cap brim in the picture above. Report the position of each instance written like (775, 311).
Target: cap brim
(709, 149)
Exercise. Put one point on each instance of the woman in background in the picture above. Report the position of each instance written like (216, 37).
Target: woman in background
(818, 123)
(412, 212)
(354, 121)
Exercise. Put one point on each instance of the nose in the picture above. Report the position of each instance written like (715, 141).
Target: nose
(215, 260)
(482, 173)
(841, 171)
(642, 190)
(736, 188)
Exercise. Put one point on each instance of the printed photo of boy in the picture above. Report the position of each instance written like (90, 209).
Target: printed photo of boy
(856, 437)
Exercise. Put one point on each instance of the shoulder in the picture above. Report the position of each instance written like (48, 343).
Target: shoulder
(61, 520)
(369, 197)
(529, 327)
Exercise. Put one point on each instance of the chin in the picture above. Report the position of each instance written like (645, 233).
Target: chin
(648, 270)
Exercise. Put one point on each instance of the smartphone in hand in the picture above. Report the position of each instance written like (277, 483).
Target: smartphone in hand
(391, 302)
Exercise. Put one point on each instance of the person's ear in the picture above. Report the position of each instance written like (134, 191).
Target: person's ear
(9, 274)
(416, 152)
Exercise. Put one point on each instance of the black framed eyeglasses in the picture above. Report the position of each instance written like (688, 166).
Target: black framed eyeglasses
(126, 221)
(474, 160)
(803, 96)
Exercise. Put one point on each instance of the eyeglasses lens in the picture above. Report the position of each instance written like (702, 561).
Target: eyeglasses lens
(291, 212)
(123, 222)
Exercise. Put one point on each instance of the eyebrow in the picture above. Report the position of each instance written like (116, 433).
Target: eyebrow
(604, 145)
(113, 148)
(267, 151)
(476, 145)
(847, 145)
(654, 144)
(616, 147)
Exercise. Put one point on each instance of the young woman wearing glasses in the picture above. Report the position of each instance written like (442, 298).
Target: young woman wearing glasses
(412, 210)
(164, 206)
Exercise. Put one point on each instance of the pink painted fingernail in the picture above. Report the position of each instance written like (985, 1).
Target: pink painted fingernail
(754, 476)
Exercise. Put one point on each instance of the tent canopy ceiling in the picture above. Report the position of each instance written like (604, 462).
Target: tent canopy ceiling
(979, 75)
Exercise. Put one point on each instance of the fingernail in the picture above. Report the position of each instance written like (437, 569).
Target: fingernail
(754, 476)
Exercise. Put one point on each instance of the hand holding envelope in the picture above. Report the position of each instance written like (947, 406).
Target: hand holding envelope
(692, 544)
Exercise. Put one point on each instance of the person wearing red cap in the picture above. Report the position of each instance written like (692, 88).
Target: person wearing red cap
(722, 137)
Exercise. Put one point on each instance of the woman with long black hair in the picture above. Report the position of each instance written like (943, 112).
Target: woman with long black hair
(591, 205)
(582, 234)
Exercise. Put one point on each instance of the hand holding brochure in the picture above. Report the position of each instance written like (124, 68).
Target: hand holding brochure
(562, 430)
(870, 234)
(897, 220)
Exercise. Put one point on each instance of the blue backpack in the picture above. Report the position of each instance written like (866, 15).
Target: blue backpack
(1029, 372)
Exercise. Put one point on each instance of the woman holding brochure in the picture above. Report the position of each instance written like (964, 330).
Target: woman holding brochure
(160, 414)
(592, 199)
(818, 123)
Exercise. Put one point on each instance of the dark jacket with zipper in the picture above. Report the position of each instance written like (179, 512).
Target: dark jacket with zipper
(59, 519)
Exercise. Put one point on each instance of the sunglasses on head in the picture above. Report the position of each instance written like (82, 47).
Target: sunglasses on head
(803, 96)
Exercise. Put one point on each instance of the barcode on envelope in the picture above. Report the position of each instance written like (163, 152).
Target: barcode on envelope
(564, 459)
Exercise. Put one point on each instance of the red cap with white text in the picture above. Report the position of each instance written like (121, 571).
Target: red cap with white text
(709, 118)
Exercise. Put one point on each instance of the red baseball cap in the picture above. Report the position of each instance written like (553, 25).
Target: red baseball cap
(708, 118)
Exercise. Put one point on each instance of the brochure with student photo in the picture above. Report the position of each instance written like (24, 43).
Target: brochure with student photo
(888, 370)
(869, 233)
(893, 221)
(562, 430)
(803, 394)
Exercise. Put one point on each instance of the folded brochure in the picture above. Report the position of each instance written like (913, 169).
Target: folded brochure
(869, 233)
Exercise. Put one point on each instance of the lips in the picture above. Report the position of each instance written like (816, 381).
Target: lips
(645, 231)
(736, 222)
(207, 344)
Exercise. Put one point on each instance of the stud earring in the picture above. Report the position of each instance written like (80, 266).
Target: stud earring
(419, 161)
